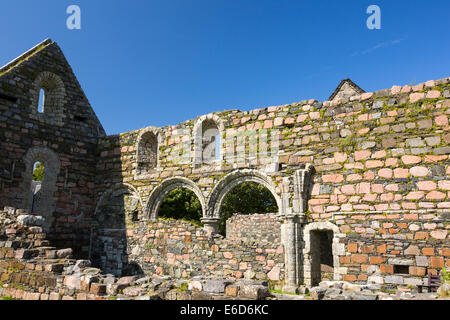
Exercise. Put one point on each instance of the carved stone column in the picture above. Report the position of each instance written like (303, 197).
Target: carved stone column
(292, 227)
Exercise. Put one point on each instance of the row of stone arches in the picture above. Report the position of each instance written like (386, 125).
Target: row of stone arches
(211, 200)
(305, 251)
(303, 245)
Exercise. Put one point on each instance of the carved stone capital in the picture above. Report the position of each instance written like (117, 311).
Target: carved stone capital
(298, 218)
(211, 225)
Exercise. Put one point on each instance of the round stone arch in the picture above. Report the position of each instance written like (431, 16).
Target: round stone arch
(231, 180)
(116, 190)
(198, 137)
(338, 249)
(52, 166)
(160, 192)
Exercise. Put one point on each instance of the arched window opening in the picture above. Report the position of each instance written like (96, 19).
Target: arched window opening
(321, 256)
(36, 186)
(41, 101)
(147, 153)
(181, 204)
(49, 94)
(246, 198)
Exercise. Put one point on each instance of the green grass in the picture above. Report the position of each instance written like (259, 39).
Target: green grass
(445, 275)
(183, 287)
(276, 291)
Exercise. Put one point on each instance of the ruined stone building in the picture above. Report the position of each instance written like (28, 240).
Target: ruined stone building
(361, 181)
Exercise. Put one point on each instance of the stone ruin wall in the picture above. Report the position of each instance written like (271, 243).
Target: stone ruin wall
(30, 269)
(264, 227)
(380, 183)
(64, 138)
(182, 250)
(380, 179)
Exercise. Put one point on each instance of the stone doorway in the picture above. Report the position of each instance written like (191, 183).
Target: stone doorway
(36, 185)
(321, 252)
(43, 203)
(322, 267)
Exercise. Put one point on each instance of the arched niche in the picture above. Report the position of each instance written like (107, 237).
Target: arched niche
(208, 150)
(147, 152)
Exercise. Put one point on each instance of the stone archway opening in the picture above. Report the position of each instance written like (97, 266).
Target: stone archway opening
(36, 185)
(223, 188)
(246, 198)
(159, 194)
(181, 204)
(207, 141)
(47, 171)
(116, 209)
(49, 94)
(322, 266)
(119, 205)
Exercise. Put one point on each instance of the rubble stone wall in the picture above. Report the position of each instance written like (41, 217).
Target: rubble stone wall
(32, 270)
(183, 250)
(257, 227)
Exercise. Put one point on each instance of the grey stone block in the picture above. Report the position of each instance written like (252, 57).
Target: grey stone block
(394, 279)
(28, 220)
(365, 296)
(215, 286)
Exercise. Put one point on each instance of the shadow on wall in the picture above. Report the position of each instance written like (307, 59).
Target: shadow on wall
(117, 206)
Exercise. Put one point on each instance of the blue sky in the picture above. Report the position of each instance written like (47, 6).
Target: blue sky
(156, 63)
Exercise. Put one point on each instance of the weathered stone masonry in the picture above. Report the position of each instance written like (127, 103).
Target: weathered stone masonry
(63, 137)
(371, 170)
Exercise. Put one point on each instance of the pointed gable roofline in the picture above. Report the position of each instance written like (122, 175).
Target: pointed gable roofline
(350, 83)
(81, 109)
(17, 61)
